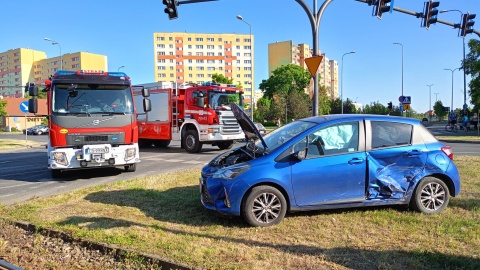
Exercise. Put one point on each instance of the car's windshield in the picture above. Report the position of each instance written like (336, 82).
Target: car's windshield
(219, 99)
(92, 98)
(284, 134)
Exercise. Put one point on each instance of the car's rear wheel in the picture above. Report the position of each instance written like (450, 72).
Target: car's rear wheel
(265, 206)
(431, 196)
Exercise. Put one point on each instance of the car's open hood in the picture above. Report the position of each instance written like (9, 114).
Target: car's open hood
(251, 132)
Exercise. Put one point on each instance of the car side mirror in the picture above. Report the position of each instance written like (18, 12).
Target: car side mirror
(300, 154)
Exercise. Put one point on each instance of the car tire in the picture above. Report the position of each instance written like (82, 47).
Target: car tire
(431, 196)
(56, 173)
(264, 206)
(39, 132)
(131, 167)
(191, 142)
(162, 143)
(225, 145)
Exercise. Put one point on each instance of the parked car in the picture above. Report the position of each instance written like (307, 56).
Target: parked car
(331, 161)
(261, 128)
(37, 130)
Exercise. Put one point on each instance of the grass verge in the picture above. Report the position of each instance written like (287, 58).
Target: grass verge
(8, 143)
(459, 138)
(162, 215)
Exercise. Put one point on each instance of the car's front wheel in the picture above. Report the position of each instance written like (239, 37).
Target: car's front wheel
(431, 196)
(265, 206)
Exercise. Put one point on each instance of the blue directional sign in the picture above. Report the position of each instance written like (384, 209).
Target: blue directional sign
(24, 106)
(407, 100)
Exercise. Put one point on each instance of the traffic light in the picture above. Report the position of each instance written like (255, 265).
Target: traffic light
(467, 24)
(430, 13)
(390, 105)
(383, 6)
(171, 8)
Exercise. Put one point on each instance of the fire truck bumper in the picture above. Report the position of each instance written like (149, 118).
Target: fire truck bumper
(93, 156)
(221, 137)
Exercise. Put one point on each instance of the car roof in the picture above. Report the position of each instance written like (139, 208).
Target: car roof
(358, 117)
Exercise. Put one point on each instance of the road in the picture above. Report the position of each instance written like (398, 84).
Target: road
(24, 174)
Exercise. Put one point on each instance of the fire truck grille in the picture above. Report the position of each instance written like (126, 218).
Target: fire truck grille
(230, 125)
(110, 138)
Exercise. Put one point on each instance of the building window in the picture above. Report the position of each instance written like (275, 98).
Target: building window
(170, 38)
(189, 39)
(238, 61)
(160, 38)
(247, 61)
(190, 68)
(198, 46)
(161, 68)
(246, 47)
(246, 40)
(210, 46)
(160, 45)
(211, 61)
(220, 39)
(160, 53)
(210, 39)
(200, 76)
(161, 61)
(237, 40)
(199, 39)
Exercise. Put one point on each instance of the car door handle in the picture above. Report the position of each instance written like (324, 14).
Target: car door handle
(355, 161)
(414, 153)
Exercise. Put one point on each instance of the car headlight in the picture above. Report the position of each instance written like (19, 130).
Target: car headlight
(130, 153)
(60, 158)
(231, 172)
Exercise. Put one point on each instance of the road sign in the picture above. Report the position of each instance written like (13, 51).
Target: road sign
(24, 106)
(313, 63)
(400, 107)
(401, 98)
(406, 107)
(407, 100)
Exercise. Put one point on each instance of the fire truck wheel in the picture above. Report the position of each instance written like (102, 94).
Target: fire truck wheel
(131, 167)
(191, 142)
(225, 145)
(162, 143)
(56, 173)
(144, 143)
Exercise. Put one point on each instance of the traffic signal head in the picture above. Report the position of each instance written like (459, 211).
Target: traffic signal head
(171, 8)
(467, 24)
(390, 105)
(430, 13)
(383, 6)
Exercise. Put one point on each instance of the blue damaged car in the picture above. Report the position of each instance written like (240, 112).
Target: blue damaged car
(331, 161)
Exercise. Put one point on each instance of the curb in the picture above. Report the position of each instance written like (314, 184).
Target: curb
(115, 251)
(459, 141)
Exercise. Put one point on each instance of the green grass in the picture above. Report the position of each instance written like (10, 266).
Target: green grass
(8, 143)
(466, 138)
(162, 215)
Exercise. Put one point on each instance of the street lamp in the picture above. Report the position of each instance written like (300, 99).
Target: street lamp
(251, 65)
(430, 100)
(341, 85)
(120, 68)
(463, 63)
(452, 70)
(436, 96)
(56, 43)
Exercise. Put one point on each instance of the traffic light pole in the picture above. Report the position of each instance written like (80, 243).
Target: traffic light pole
(315, 23)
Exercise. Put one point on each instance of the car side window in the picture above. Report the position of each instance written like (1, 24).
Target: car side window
(388, 134)
(332, 140)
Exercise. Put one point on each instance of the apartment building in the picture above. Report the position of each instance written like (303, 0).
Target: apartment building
(285, 52)
(19, 66)
(194, 57)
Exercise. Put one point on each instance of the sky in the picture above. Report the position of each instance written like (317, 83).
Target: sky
(123, 31)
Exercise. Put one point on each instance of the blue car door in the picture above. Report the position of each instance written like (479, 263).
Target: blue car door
(334, 169)
(394, 159)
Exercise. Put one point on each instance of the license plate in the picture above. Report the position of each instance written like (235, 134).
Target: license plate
(97, 150)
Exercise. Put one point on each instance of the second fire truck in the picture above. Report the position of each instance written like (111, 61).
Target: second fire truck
(194, 115)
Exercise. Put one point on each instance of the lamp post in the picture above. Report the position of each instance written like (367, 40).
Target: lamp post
(463, 63)
(436, 96)
(56, 43)
(251, 65)
(452, 70)
(341, 84)
(120, 68)
(398, 43)
(430, 100)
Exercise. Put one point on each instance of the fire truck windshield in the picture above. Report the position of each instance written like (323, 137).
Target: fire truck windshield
(219, 99)
(91, 98)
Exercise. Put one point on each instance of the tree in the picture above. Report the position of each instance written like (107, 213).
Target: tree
(472, 67)
(438, 109)
(286, 80)
(262, 112)
(348, 106)
(297, 107)
(3, 107)
(324, 106)
(376, 108)
(219, 78)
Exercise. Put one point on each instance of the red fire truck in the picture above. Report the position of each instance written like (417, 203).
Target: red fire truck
(92, 120)
(192, 114)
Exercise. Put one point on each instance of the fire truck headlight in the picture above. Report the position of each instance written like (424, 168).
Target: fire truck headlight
(213, 130)
(60, 158)
(130, 153)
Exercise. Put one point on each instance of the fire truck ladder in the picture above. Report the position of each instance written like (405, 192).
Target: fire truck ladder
(175, 113)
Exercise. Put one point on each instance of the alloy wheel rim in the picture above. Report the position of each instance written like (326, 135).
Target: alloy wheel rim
(433, 196)
(266, 208)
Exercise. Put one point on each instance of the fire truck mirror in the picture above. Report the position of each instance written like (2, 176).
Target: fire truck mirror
(145, 92)
(200, 100)
(147, 105)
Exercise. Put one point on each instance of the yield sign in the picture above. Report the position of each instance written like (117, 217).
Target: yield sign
(313, 63)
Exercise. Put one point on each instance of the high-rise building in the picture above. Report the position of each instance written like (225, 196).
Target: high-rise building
(285, 52)
(195, 57)
(19, 66)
